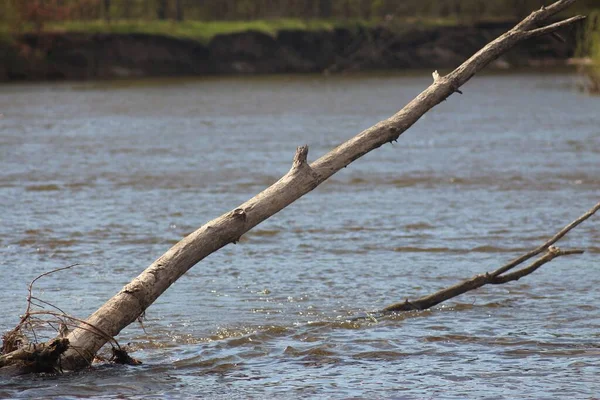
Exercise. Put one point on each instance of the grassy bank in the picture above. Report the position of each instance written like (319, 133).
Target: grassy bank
(206, 30)
(198, 30)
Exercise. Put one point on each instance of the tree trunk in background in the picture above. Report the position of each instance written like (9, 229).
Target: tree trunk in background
(161, 10)
(126, 9)
(179, 10)
(325, 9)
(107, 10)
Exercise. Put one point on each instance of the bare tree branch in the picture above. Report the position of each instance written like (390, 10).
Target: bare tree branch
(548, 243)
(554, 27)
(498, 276)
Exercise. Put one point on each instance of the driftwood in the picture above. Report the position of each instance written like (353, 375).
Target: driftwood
(498, 276)
(44, 357)
(132, 301)
(24, 357)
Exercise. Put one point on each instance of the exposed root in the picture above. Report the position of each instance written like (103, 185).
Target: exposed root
(121, 356)
(13, 340)
(44, 357)
(20, 355)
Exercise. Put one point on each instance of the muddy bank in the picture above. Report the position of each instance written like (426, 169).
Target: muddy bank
(99, 56)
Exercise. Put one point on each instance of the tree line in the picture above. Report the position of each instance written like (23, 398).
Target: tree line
(180, 10)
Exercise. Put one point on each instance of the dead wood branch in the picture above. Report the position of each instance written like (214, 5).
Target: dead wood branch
(129, 303)
(15, 339)
(23, 356)
(425, 302)
(499, 276)
(43, 357)
(559, 235)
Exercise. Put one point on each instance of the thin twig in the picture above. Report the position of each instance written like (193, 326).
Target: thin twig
(30, 316)
(552, 253)
(48, 304)
(30, 288)
(548, 243)
(554, 27)
(95, 329)
(475, 282)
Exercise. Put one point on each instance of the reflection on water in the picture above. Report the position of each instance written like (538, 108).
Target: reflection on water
(112, 175)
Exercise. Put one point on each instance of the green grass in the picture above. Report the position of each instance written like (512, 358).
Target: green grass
(198, 30)
(206, 30)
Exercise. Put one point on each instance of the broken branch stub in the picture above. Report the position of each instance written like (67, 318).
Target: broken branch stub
(129, 303)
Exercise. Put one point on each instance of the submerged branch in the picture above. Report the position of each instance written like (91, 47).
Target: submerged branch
(559, 235)
(498, 276)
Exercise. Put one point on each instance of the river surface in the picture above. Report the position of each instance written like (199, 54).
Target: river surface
(111, 174)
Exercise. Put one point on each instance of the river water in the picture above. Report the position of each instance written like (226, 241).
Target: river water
(111, 174)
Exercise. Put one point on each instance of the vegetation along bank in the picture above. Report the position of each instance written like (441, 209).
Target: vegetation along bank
(55, 55)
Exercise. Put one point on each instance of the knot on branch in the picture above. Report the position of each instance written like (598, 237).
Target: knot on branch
(240, 214)
(455, 88)
(454, 84)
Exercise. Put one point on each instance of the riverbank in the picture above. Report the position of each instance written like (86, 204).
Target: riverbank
(81, 56)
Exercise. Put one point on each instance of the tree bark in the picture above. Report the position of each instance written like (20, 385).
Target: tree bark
(325, 8)
(131, 302)
(161, 10)
(179, 10)
(107, 10)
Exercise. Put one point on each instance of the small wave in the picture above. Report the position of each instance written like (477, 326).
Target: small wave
(42, 188)
(145, 240)
(242, 336)
(498, 181)
(452, 338)
(318, 351)
(336, 325)
(340, 251)
(412, 249)
(47, 243)
(312, 230)
(535, 351)
(264, 232)
(592, 249)
(380, 355)
(361, 229)
(492, 249)
(217, 364)
(418, 226)
(80, 185)
(478, 249)
(38, 231)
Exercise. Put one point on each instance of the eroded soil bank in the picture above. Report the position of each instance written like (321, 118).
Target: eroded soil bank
(58, 56)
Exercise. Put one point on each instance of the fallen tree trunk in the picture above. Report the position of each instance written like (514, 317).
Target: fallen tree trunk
(132, 301)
